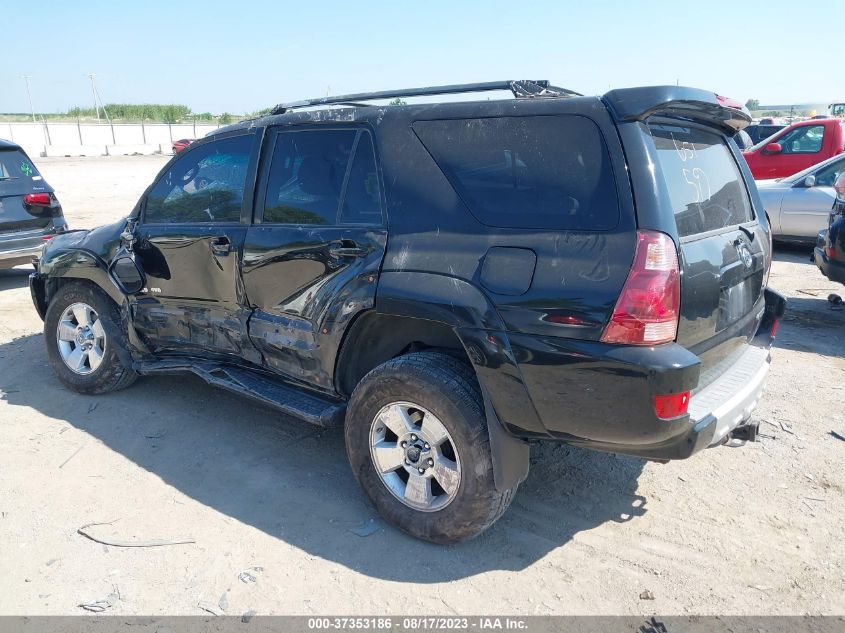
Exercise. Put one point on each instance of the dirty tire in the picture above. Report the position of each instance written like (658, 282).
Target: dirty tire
(112, 374)
(448, 388)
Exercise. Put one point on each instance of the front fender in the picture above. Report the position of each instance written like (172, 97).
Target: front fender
(78, 263)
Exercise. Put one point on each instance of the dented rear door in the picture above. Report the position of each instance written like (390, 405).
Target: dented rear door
(311, 259)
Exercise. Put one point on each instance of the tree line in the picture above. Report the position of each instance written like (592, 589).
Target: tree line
(156, 112)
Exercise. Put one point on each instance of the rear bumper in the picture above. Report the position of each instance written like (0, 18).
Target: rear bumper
(602, 397)
(833, 270)
(20, 247)
(18, 256)
(729, 400)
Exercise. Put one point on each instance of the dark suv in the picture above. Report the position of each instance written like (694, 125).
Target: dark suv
(29, 210)
(448, 281)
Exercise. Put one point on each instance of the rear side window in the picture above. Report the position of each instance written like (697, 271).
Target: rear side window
(541, 172)
(16, 172)
(705, 186)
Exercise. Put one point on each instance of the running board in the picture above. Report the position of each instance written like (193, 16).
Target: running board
(290, 400)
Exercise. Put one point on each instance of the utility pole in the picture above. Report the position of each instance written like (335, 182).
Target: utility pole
(26, 78)
(94, 94)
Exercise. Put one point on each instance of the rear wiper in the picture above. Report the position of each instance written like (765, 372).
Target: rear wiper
(10, 178)
(747, 231)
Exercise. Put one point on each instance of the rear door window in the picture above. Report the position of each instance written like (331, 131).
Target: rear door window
(539, 172)
(704, 182)
(313, 171)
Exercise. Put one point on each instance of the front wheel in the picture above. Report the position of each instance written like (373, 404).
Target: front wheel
(417, 441)
(82, 334)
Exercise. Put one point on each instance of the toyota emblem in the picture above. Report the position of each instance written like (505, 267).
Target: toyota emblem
(745, 255)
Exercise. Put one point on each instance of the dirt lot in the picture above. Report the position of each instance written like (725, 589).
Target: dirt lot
(749, 530)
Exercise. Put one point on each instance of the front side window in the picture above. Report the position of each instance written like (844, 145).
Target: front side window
(534, 172)
(323, 177)
(802, 140)
(206, 184)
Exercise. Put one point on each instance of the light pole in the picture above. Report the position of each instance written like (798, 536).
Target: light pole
(26, 78)
(94, 94)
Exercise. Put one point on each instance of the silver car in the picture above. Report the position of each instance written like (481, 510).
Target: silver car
(798, 206)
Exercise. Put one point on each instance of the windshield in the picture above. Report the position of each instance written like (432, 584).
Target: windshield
(765, 141)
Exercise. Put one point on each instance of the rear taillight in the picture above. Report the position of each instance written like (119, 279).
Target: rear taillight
(830, 252)
(646, 312)
(671, 405)
(839, 186)
(38, 200)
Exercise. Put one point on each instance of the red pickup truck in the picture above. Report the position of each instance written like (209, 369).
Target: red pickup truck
(796, 147)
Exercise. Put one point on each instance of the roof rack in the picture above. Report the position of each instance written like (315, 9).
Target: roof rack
(521, 89)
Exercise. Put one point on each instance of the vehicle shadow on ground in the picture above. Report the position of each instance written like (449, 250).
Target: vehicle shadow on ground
(292, 480)
(793, 252)
(811, 323)
(14, 278)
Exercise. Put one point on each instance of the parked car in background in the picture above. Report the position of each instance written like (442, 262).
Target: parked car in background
(829, 253)
(760, 131)
(29, 210)
(796, 147)
(181, 144)
(799, 206)
(558, 267)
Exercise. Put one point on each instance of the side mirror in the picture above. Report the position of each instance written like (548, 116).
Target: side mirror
(774, 148)
(126, 273)
(810, 181)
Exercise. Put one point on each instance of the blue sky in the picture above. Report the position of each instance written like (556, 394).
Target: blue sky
(241, 56)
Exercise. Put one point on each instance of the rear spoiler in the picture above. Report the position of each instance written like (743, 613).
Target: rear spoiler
(692, 104)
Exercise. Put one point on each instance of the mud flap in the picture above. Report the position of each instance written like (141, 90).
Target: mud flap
(510, 455)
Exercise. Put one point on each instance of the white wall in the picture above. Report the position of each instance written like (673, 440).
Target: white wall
(35, 137)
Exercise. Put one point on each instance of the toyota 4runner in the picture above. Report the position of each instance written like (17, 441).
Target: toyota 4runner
(447, 281)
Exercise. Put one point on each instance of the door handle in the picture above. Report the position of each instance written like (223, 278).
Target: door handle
(221, 246)
(346, 248)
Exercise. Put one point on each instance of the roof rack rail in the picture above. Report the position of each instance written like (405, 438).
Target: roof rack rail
(521, 89)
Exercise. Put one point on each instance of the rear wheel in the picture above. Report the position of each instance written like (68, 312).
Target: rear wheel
(416, 436)
(82, 334)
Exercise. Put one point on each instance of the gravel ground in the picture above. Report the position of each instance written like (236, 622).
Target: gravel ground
(273, 509)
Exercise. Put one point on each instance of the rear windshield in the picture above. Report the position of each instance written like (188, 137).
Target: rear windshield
(16, 172)
(540, 172)
(705, 186)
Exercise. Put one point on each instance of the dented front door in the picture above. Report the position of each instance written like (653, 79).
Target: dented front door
(188, 243)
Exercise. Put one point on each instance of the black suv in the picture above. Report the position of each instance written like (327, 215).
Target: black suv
(448, 281)
(29, 210)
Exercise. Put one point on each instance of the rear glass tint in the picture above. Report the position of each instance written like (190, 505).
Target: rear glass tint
(705, 186)
(541, 172)
(17, 173)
